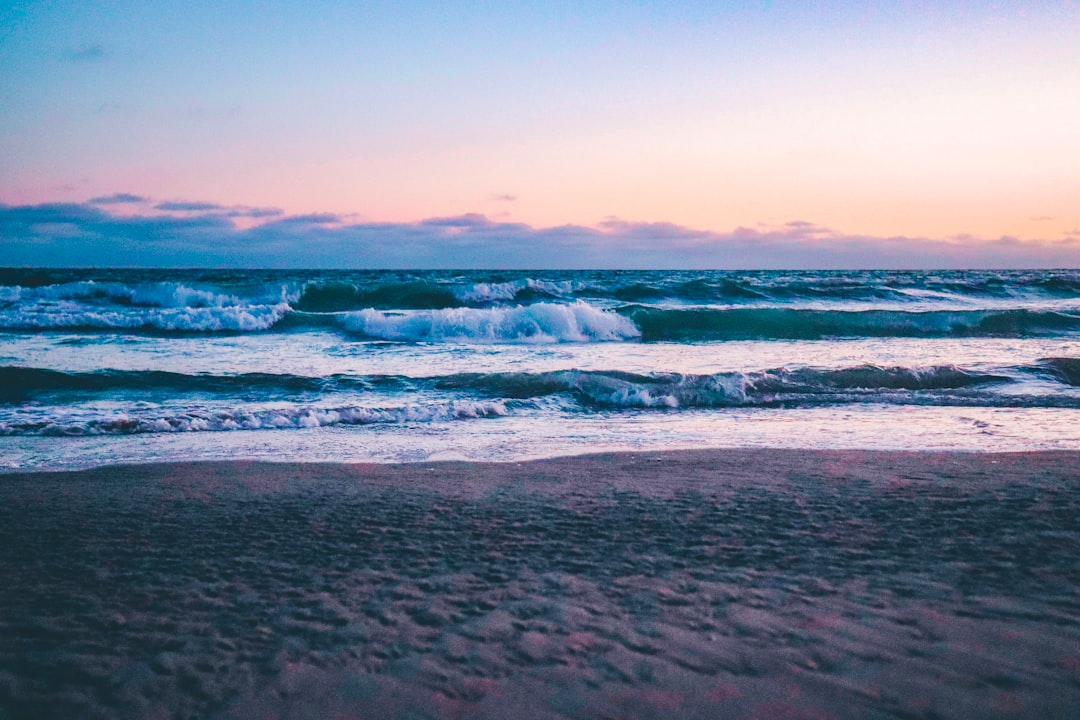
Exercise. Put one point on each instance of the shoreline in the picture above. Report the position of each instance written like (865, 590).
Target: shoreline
(688, 583)
(859, 454)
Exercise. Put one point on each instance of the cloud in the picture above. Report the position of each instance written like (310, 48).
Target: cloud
(87, 234)
(188, 206)
(236, 211)
(667, 231)
(251, 212)
(309, 220)
(117, 199)
(88, 54)
(504, 197)
(470, 220)
(176, 206)
(802, 228)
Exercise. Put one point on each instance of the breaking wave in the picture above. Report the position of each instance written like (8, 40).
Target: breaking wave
(230, 318)
(135, 422)
(604, 388)
(151, 294)
(674, 390)
(537, 323)
(495, 307)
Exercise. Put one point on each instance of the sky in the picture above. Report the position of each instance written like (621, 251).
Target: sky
(556, 134)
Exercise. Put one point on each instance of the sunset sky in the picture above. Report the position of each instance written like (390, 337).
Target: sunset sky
(926, 132)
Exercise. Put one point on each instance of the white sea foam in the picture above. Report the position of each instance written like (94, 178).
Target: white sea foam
(159, 294)
(664, 392)
(538, 323)
(71, 315)
(506, 291)
(489, 292)
(83, 421)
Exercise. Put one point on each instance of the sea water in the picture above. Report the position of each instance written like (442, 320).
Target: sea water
(105, 366)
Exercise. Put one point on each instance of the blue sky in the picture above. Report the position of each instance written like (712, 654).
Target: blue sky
(947, 125)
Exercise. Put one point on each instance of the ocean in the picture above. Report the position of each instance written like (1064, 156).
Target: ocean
(133, 366)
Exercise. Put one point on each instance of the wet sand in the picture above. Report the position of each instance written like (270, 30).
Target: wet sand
(698, 584)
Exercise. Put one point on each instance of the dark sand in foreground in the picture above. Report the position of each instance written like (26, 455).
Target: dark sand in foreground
(703, 584)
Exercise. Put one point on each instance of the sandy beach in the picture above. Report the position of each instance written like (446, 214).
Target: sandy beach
(698, 584)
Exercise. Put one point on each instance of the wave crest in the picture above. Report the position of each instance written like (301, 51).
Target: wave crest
(136, 423)
(538, 323)
(1067, 370)
(712, 324)
(151, 294)
(675, 390)
(187, 319)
